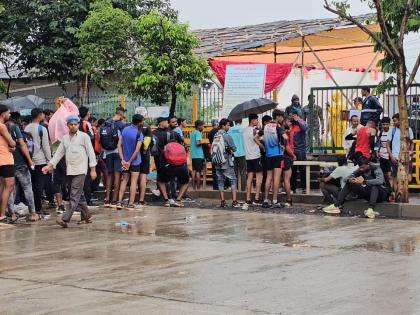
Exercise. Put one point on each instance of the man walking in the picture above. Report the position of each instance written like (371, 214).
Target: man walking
(77, 147)
(129, 147)
(41, 156)
(236, 132)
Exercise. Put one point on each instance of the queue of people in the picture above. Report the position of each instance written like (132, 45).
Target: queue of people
(256, 156)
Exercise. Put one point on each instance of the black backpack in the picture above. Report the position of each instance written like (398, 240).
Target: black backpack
(108, 135)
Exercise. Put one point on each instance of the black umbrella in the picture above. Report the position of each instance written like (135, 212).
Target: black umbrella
(19, 103)
(255, 106)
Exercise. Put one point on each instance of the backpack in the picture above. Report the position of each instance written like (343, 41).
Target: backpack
(174, 153)
(218, 149)
(108, 135)
(27, 137)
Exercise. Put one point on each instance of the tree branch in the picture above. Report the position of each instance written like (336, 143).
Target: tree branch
(349, 18)
(380, 15)
(404, 21)
(413, 73)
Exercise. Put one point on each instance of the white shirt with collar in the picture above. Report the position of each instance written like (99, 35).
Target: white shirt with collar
(78, 151)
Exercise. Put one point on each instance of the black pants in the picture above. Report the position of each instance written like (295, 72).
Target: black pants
(49, 188)
(373, 194)
(214, 175)
(300, 156)
(330, 192)
(87, 188)
(38, 184)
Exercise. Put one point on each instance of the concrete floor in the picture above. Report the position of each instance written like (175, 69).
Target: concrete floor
(216, 262)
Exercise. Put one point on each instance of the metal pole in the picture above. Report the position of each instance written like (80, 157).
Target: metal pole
(301, 69)
(275, 61)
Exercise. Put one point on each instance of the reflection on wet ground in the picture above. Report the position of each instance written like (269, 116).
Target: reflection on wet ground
(189, 261)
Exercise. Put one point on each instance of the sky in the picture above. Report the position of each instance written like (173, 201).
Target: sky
(220, 13)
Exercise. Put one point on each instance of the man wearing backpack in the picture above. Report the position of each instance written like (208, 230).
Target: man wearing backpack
(170, 160)
(41, 156)
(371, 108)
(22, 159)
(109, 136)
(222, 151)
(145, 158)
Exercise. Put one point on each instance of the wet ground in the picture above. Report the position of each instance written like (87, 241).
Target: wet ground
(200, 261)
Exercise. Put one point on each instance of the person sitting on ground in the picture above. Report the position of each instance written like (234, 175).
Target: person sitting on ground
(129, 145)
(328, 185)
(368, 182)
(222, 156)
(166, 172)
(197, 154)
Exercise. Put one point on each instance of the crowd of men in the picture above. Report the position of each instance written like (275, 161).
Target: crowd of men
(259, 156)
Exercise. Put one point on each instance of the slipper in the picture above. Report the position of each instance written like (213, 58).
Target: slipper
(3, 219)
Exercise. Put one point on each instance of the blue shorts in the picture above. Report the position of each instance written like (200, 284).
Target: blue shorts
(113, 163)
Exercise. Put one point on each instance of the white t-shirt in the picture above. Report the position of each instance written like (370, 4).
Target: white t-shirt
(383, 152)
(252, 150)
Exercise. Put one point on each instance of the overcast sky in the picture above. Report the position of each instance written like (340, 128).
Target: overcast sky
(220, 13)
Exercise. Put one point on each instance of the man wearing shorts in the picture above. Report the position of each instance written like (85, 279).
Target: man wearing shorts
(165, 172)
(197, 154)
(273, 143)
(145, 158)
(129, 146)
(113, 163)
(254, 166)
(7, 169)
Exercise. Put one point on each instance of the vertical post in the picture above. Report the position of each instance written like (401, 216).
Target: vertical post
(194, 108)
(301, 69)
(123, 101)
(275, 61)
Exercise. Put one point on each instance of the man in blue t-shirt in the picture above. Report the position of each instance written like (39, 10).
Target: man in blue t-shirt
(113, 163)
(197, 154)
(237, 134)
(129, 146)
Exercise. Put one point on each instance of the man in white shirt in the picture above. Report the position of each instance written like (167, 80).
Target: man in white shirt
(331, 190)
(382, 148)
(253, 148)
(77, 147)
(352, 129)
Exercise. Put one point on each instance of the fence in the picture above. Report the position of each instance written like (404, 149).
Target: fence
(334, 104)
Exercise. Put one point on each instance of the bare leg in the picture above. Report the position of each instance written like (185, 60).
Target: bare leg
(268, 183)
(108, 187)
(287, 174)
(234, 195)
(276, 182)
(259, 177)
(59, 198)
(194, 179)
(133, 187)
(249, 185)
(162, 188)
(117, 177)
(7, 187)
(123, 186)
(142, 184)
(198, 180)
(182, 190)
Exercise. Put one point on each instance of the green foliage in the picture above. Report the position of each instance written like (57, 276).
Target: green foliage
(2, 87)
(152, 55)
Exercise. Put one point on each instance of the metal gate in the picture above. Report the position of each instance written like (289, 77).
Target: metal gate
(334, 105)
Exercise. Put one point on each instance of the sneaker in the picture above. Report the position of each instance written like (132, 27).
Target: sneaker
(331, 209)
(369, 213)
(167, 204)
(277, 205)
(156, 192)
(266, 204)
(119, 206)
(52, 205)
(245, 206)
(113, 205)
(257, 202)
(287, 205)
(177, 204)
(107, 204)
(223, 204)
(236, 204)
(60, 209)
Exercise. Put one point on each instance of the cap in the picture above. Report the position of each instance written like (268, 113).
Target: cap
(295, 97)
(73, 119)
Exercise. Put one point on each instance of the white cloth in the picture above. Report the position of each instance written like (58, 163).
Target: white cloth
(343, 173)
(252, 150)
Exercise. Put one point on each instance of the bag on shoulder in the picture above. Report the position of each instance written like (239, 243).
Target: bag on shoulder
(174, 153)
(108, 135)
(27, 137)
(218, 149)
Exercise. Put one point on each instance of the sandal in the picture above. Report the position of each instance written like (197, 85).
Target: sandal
(62, 223)
(3, 219)
(87, 220)
(119, 206)
(30, 219)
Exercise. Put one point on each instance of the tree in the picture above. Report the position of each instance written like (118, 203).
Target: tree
(396, 19)
(42, 34)
(154, 56)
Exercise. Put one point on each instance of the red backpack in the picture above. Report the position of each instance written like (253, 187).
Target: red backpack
(174, 153)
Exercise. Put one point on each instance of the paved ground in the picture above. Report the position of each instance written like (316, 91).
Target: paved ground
(218, 262)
